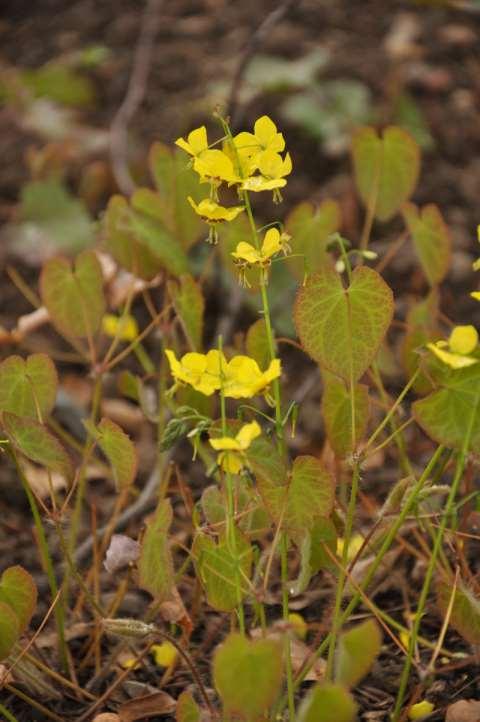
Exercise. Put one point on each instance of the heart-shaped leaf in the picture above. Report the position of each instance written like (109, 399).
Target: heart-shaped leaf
(155, 566)
(305, 494)
(327, 702)
(248, 676)
(218, 569)
(337, 413)
(451, 415)
(342, 328)
(18, 590)
(386, 169)
(357, 650)
(431, 239)
(119, 450)
(74, 296)
(310, 229)
(9, 629)
(465, 610)
(28, 387)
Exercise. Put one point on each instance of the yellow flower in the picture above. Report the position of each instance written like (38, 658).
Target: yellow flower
(356, 543)
(196, 142)
(164, 654)
(247, 255)
(212, 212)
(214, 166)
(197, 370)
(475, 295)
(124, 327)
(264, 137)
(231, 457)
(455, 353)
(299, 625)
(420, 710)
(243, 378)
(272, 169)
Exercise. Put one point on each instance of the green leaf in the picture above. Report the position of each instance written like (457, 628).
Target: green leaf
(127, 249)
(357, 651)
(187, 710)
(315, 546)
(310, 229)
(342, 328)
(189, 305)
(217, 565)
(18, 590)
(155, 567)
(253, 517)
(256, 343)
(61, 83)
(337, 413)
(37, 443)
(422, 327)
(451, 415)
(386, 169)
(327, 702)
(50, 215)
(248, 675)
(175, 181)
(74, 297)
(155, 236)
(28, 387)
(9, 629)
(272, 72)
(465, 612)
(304, 495)
(120, 452)
(431, 238)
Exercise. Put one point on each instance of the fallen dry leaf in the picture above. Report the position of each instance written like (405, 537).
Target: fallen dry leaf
(142, 707)
(121, 551)
(465, 710)
(106, 717)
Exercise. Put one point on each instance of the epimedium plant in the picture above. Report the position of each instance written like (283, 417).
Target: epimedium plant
(263, 512)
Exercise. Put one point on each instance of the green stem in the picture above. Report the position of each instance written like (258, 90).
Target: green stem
(429, 576)
(8, 715)
(59, 612)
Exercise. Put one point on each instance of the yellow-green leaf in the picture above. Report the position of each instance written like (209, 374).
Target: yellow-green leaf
(465, 611)
(431, 238)
(386, 168)
(189, 305)
(37, 443)
(187, 709)
(155, 567)
(337, 413)
(248, 676)
(74, 296)
(328, 702)
(422, 328)
(9, 629)
(310, 229)
(357, 651)
(342, 328)
(256, 343)
(28, 387)
(18, 590)
(120, 452)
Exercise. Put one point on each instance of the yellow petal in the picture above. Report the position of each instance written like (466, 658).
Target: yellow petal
(164, 654)
(225, 443)
(124, 327)
(230, 461)
(463, 339)
(214, 164)
(475, 295)
(247, 434)
(246, 252)
(267, 134)
(271, 243)
(258, 183)
(420, 710)
(454, 360)
(212, 212)
(299, 625)
(196, 142)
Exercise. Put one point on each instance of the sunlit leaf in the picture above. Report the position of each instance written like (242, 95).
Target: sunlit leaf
(310, 229)
(342, 328)
(217, 566)
(28, 387)
(247, 675)
(465, 612)
(38, 444)
(19, 591)
(386, 169)
(328, 702)
(431, 239)
(9, 629)
(337, 413)
(356, 652)
(74, 296)
(451, 415)
(189, 305)
(119, 450)
(155, 567)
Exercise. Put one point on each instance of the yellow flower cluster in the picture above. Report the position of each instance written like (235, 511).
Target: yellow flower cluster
(456, 352)
(247, 256)
(239, 378)
(232, 450)
(250, 161)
